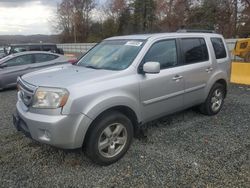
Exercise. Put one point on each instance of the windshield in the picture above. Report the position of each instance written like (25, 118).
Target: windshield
(112, 55)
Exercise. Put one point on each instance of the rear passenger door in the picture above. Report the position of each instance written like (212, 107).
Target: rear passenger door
(162, 93)
(197, 69)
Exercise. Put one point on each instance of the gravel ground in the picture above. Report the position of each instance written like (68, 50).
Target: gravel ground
(183, 150)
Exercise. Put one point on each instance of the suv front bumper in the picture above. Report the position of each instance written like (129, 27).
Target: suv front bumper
(63, 131)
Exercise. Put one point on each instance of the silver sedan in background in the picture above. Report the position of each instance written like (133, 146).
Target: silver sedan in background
(19, 64)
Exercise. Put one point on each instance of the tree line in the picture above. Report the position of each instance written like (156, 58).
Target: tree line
(88, 21)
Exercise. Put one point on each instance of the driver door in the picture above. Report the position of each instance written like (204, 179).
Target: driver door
(162, 93)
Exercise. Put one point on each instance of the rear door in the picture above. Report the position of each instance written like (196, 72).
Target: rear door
(197, 69)
(16, 67)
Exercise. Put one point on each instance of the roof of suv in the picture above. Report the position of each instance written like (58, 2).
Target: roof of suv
(159, 35)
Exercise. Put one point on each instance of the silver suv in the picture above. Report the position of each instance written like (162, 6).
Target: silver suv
(119, 85)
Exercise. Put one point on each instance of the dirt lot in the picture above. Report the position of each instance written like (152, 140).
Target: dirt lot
(183, 150)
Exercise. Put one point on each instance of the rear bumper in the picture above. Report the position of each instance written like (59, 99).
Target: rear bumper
(63, 131)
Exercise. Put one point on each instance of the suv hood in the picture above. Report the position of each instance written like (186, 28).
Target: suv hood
(65, 76)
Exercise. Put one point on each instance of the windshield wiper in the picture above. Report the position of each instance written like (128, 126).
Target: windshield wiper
(92, 67)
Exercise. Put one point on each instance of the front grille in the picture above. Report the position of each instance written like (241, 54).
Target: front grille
(26, 91)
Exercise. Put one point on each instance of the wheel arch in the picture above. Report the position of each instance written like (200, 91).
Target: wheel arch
(220, 78)
(224, 83)
(127, 111)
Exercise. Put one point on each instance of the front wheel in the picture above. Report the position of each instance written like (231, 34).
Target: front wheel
(214, 101)
(109, 138)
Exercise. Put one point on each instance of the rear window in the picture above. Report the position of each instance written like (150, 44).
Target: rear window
(20, 60)
(194, 50)
(243, 45)
(219, 48)
(44, 57)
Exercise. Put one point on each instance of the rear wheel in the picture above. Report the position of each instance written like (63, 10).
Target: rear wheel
(214, 101)
(109, 138)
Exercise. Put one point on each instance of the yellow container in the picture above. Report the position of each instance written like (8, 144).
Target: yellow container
(240, 73)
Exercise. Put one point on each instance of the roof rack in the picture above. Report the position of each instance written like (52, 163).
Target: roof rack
(195, 31)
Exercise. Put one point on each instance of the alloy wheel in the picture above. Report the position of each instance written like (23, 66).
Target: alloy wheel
(112, 140)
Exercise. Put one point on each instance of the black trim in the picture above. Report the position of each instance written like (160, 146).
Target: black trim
(180, 52)
(19, 123)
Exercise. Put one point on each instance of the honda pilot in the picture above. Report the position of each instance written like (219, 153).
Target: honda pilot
(119, 85)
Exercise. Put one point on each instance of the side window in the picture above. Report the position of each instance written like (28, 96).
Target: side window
(164, 52)
(44, 57)
(219, 48)
(21, 60)
(194, 50)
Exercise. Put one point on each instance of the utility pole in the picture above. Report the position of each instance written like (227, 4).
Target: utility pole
(74, 18)
(235, 17)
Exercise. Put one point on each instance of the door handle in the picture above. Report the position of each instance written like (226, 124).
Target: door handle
(209, 69)
(177, 78)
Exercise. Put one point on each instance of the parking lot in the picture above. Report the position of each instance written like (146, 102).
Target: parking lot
(182, 150)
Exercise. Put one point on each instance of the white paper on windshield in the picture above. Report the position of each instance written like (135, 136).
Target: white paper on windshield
(133, 43)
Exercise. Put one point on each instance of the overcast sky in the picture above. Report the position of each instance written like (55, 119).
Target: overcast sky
(27, 16)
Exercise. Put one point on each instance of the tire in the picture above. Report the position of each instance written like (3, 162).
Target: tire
(109, 138)
(214, 101)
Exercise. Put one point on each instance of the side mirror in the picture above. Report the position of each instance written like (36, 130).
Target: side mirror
(152, 67)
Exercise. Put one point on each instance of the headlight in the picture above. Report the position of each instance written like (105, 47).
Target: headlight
(50, 98)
